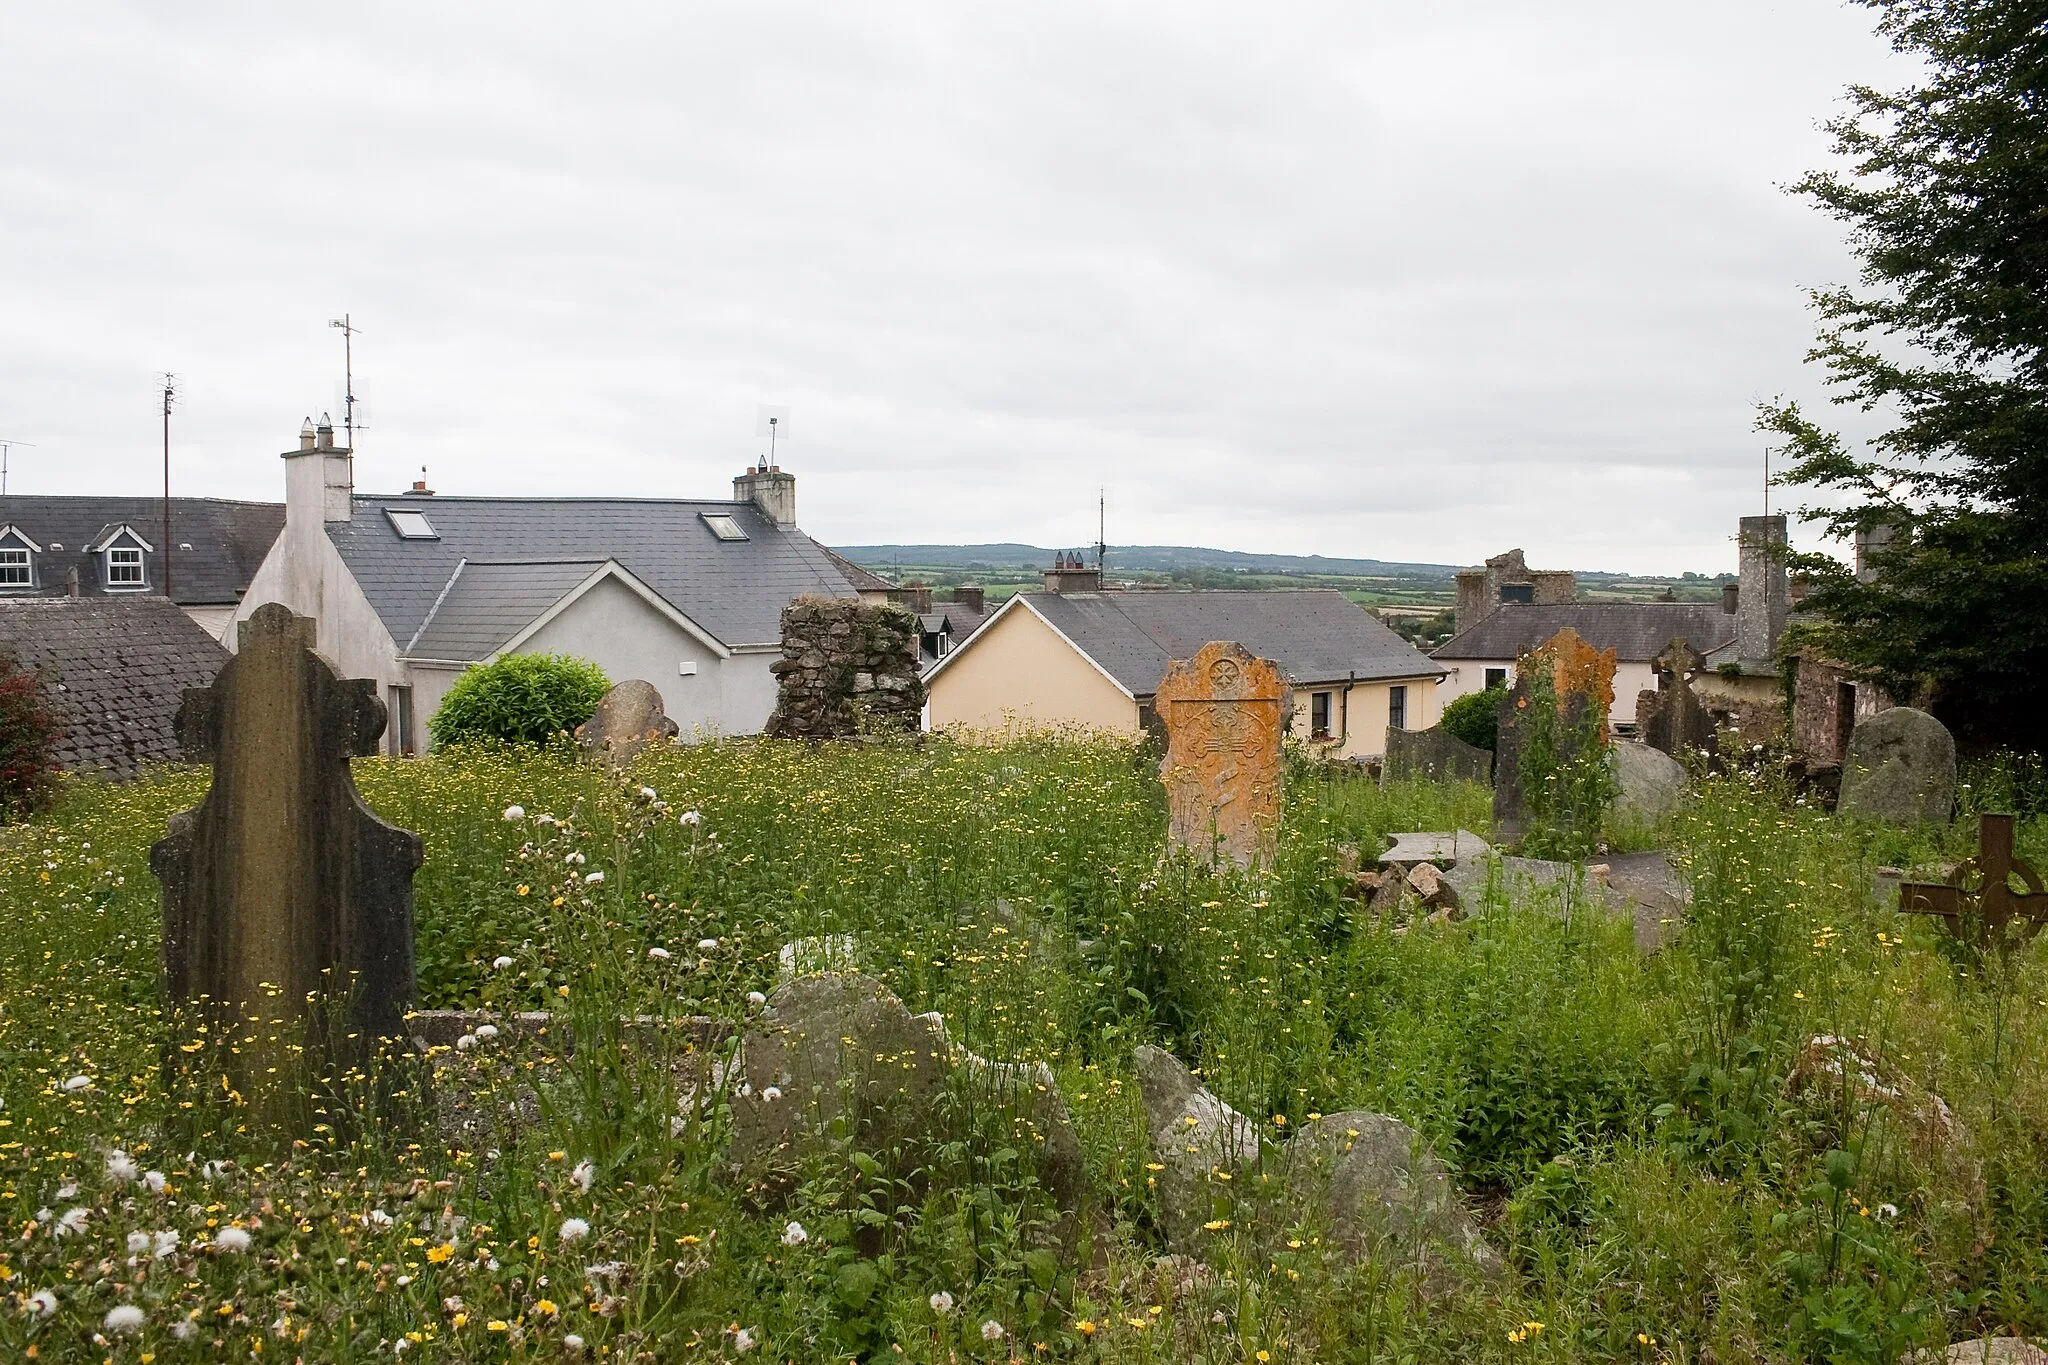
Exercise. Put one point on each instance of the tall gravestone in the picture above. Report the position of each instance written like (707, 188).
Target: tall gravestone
(1584, 680)
(287, 904)
(1225, 711)
(1901, 768)
(1433, 753)
(1671, 719)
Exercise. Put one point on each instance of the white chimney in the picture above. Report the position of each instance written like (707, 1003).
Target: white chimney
(769, 489)
(319, 479)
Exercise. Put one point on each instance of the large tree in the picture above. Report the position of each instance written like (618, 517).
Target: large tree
(1945, 196)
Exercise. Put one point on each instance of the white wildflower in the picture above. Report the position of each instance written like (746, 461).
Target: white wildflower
(572, 1342)
(649, 794)
(705, 945)
(71, 1224)
(401, 1346)
(991, 1330)
(772, 1093)
(124, 1318)
(379, 1218)
(593, 878)
(501, 962)
(942, 1303)
(121, 1167)
(658, 954)
(403, 1281)
(513, 813)
(756, 998)
(77, 1083)
(232, 1239)
(690, 817)
(575, 859)
(166, 1243)
(184, 1329)
(486, 1032)
(793, 1235)
(138, 1242)
(68, 1190)
(155, 1180)
(43, 1302)
(213, 1170)
(743, 1341)
(584, 1176)
(574, 1230)
(465, 1042)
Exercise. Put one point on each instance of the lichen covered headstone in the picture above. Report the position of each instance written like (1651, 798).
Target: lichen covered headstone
(287, 903)
(1672, 718)
(1901, 768)
(1583, 678)
(1225, 711)
(628, 718)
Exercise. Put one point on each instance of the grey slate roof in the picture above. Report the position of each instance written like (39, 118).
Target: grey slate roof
(1315, 636)
(864, 579)
(735, 590)
(117, 668)
(488, 604)
(228, 540)
(1636, 631)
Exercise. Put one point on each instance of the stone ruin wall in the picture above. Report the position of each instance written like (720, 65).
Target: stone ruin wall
(848, 668)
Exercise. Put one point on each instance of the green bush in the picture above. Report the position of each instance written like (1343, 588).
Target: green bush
(28, 733)
(1475, 717)
(520, 699)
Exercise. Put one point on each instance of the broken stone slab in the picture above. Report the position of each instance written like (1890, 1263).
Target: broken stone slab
(841, 1045)
(1513, 881)
(1647, 888)
(1443, 849)
(1369, 1178)
(1984, 1351)
(819, 953)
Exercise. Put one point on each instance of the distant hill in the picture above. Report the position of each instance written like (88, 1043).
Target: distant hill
(1153, 558)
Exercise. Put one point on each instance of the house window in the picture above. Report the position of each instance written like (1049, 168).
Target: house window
(14, 567)
(1319, 715)
(401, 721)
(1518, 592)
(1496, 677)
(411, 525)
(723, 526)
(1397, 708)
(124, 567)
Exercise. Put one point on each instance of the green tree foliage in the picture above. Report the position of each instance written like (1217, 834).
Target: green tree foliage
(1475, 717)
(520, 699)
(1946, 202)
(28, 734)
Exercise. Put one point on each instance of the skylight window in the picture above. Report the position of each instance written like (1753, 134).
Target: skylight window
(723, 526)
(411, 525)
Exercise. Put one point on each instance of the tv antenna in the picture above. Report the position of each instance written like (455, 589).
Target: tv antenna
(772, 421)
(349, 333)
(6, 446)
(170, 383)
(1101, 527)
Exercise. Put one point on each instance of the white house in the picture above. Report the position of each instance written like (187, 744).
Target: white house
(411, 589)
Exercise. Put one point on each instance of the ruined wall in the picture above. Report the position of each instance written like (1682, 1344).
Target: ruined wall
(847, 668)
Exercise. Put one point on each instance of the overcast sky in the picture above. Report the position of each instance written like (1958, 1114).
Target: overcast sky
(1372, 278)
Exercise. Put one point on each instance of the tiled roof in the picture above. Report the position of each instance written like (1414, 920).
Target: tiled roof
(1315, 636)
(863, 579)
(734, 589)
(1636, 631)
(487, 604)
(228, 540)
(117, 669)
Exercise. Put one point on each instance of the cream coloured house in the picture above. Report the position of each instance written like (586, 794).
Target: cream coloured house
(1076, 655)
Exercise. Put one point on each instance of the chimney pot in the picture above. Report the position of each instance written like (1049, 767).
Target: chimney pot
(970, 595)
(1730, 594)
(306, 434)
(323, 435)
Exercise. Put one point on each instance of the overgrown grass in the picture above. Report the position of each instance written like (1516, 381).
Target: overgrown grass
(1625, 1124)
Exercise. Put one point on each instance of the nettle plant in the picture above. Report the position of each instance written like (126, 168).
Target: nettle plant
(1565, 781)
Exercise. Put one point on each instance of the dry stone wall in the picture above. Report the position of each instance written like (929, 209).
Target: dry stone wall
(847, 668)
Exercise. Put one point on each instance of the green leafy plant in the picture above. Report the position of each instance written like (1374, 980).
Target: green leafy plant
(1475, 717)
(1566, 784)
(28, 735)
(520, 699)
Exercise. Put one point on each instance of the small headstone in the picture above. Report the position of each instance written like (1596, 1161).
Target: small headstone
(1652, 784)
(1901, 768)
(1433, 753)
(1584, 680)
(1224, 711)
(285, 899)
(628, 719)
(1672, 719)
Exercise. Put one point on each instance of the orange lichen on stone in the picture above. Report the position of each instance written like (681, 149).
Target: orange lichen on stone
(1225, 711)
(1576, 667)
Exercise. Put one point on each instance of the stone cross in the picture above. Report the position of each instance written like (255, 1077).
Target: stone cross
(287, 904)
(1671, 718)
(1985, 911)
(1224, 711)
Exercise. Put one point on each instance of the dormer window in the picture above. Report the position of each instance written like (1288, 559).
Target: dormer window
(123, 553)
(17, 560)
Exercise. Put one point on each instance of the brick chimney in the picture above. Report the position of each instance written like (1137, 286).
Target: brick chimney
(970, 595)
(769, 489)
(319, 477)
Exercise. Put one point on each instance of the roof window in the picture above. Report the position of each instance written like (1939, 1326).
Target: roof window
(411, 525)
(724, 526)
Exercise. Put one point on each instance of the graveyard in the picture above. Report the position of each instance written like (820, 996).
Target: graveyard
(1066, 1048)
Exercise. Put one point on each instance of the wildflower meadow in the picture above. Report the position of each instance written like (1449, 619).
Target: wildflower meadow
(1642, 1135)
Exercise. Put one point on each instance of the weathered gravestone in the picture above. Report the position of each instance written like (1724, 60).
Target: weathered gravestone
(1649, 783)
(287, 904)
(1434, 753)
(1224, 711)
(628, 719)
(1671, 719)
(1583, 678)
(1901, 768)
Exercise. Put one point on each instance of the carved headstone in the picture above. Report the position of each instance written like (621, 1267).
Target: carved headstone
(628, 719)
(1584, 679)
(1434, 752)
(1224, 711)
(1901, 768)
(1671, 719)
(287, 904)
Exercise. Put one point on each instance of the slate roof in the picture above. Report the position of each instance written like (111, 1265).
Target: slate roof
(228, 540)
(117, 668)
(487, 604)
(1636, 631)
(1315, 636)
(863, 579)
(735, 590)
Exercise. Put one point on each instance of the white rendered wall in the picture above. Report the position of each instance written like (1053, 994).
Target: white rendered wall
(624, 634)
(1469, 675)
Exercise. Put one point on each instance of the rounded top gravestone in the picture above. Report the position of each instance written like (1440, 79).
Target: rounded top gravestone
(627, 720)
(1901, 768)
